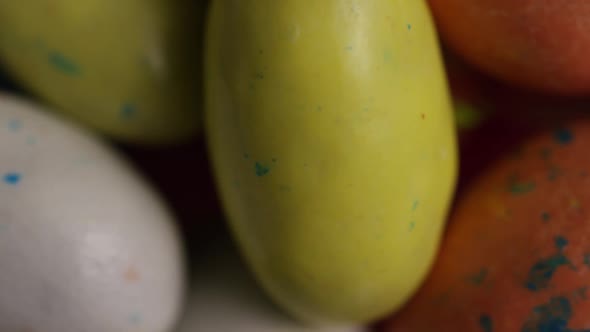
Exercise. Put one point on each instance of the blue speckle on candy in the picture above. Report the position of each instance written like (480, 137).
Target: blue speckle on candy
(563, 136)
(63, 64)
(12, 178)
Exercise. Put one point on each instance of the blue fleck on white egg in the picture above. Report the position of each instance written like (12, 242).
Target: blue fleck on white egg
(85, 242)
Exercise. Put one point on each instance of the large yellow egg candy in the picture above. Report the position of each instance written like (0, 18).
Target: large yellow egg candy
(331, 135)
(128, 68)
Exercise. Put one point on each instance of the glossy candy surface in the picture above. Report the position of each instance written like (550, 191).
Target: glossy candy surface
(536, 44)
(130, 69)
(516, 257)
(331, 136)
(85, 243)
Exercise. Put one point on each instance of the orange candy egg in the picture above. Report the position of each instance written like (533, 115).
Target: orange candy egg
(516, 257)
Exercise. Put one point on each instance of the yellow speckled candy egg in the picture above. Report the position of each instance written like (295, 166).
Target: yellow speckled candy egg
(330, 131)
(85, 244)
(129, 69)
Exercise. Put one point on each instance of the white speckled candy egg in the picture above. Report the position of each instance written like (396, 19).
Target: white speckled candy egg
(225, 298)
(85, 244)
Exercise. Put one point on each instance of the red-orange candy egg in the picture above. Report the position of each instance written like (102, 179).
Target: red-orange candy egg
(516, 257)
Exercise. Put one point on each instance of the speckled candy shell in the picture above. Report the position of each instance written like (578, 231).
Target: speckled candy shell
(516, 257)
(85, 244)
